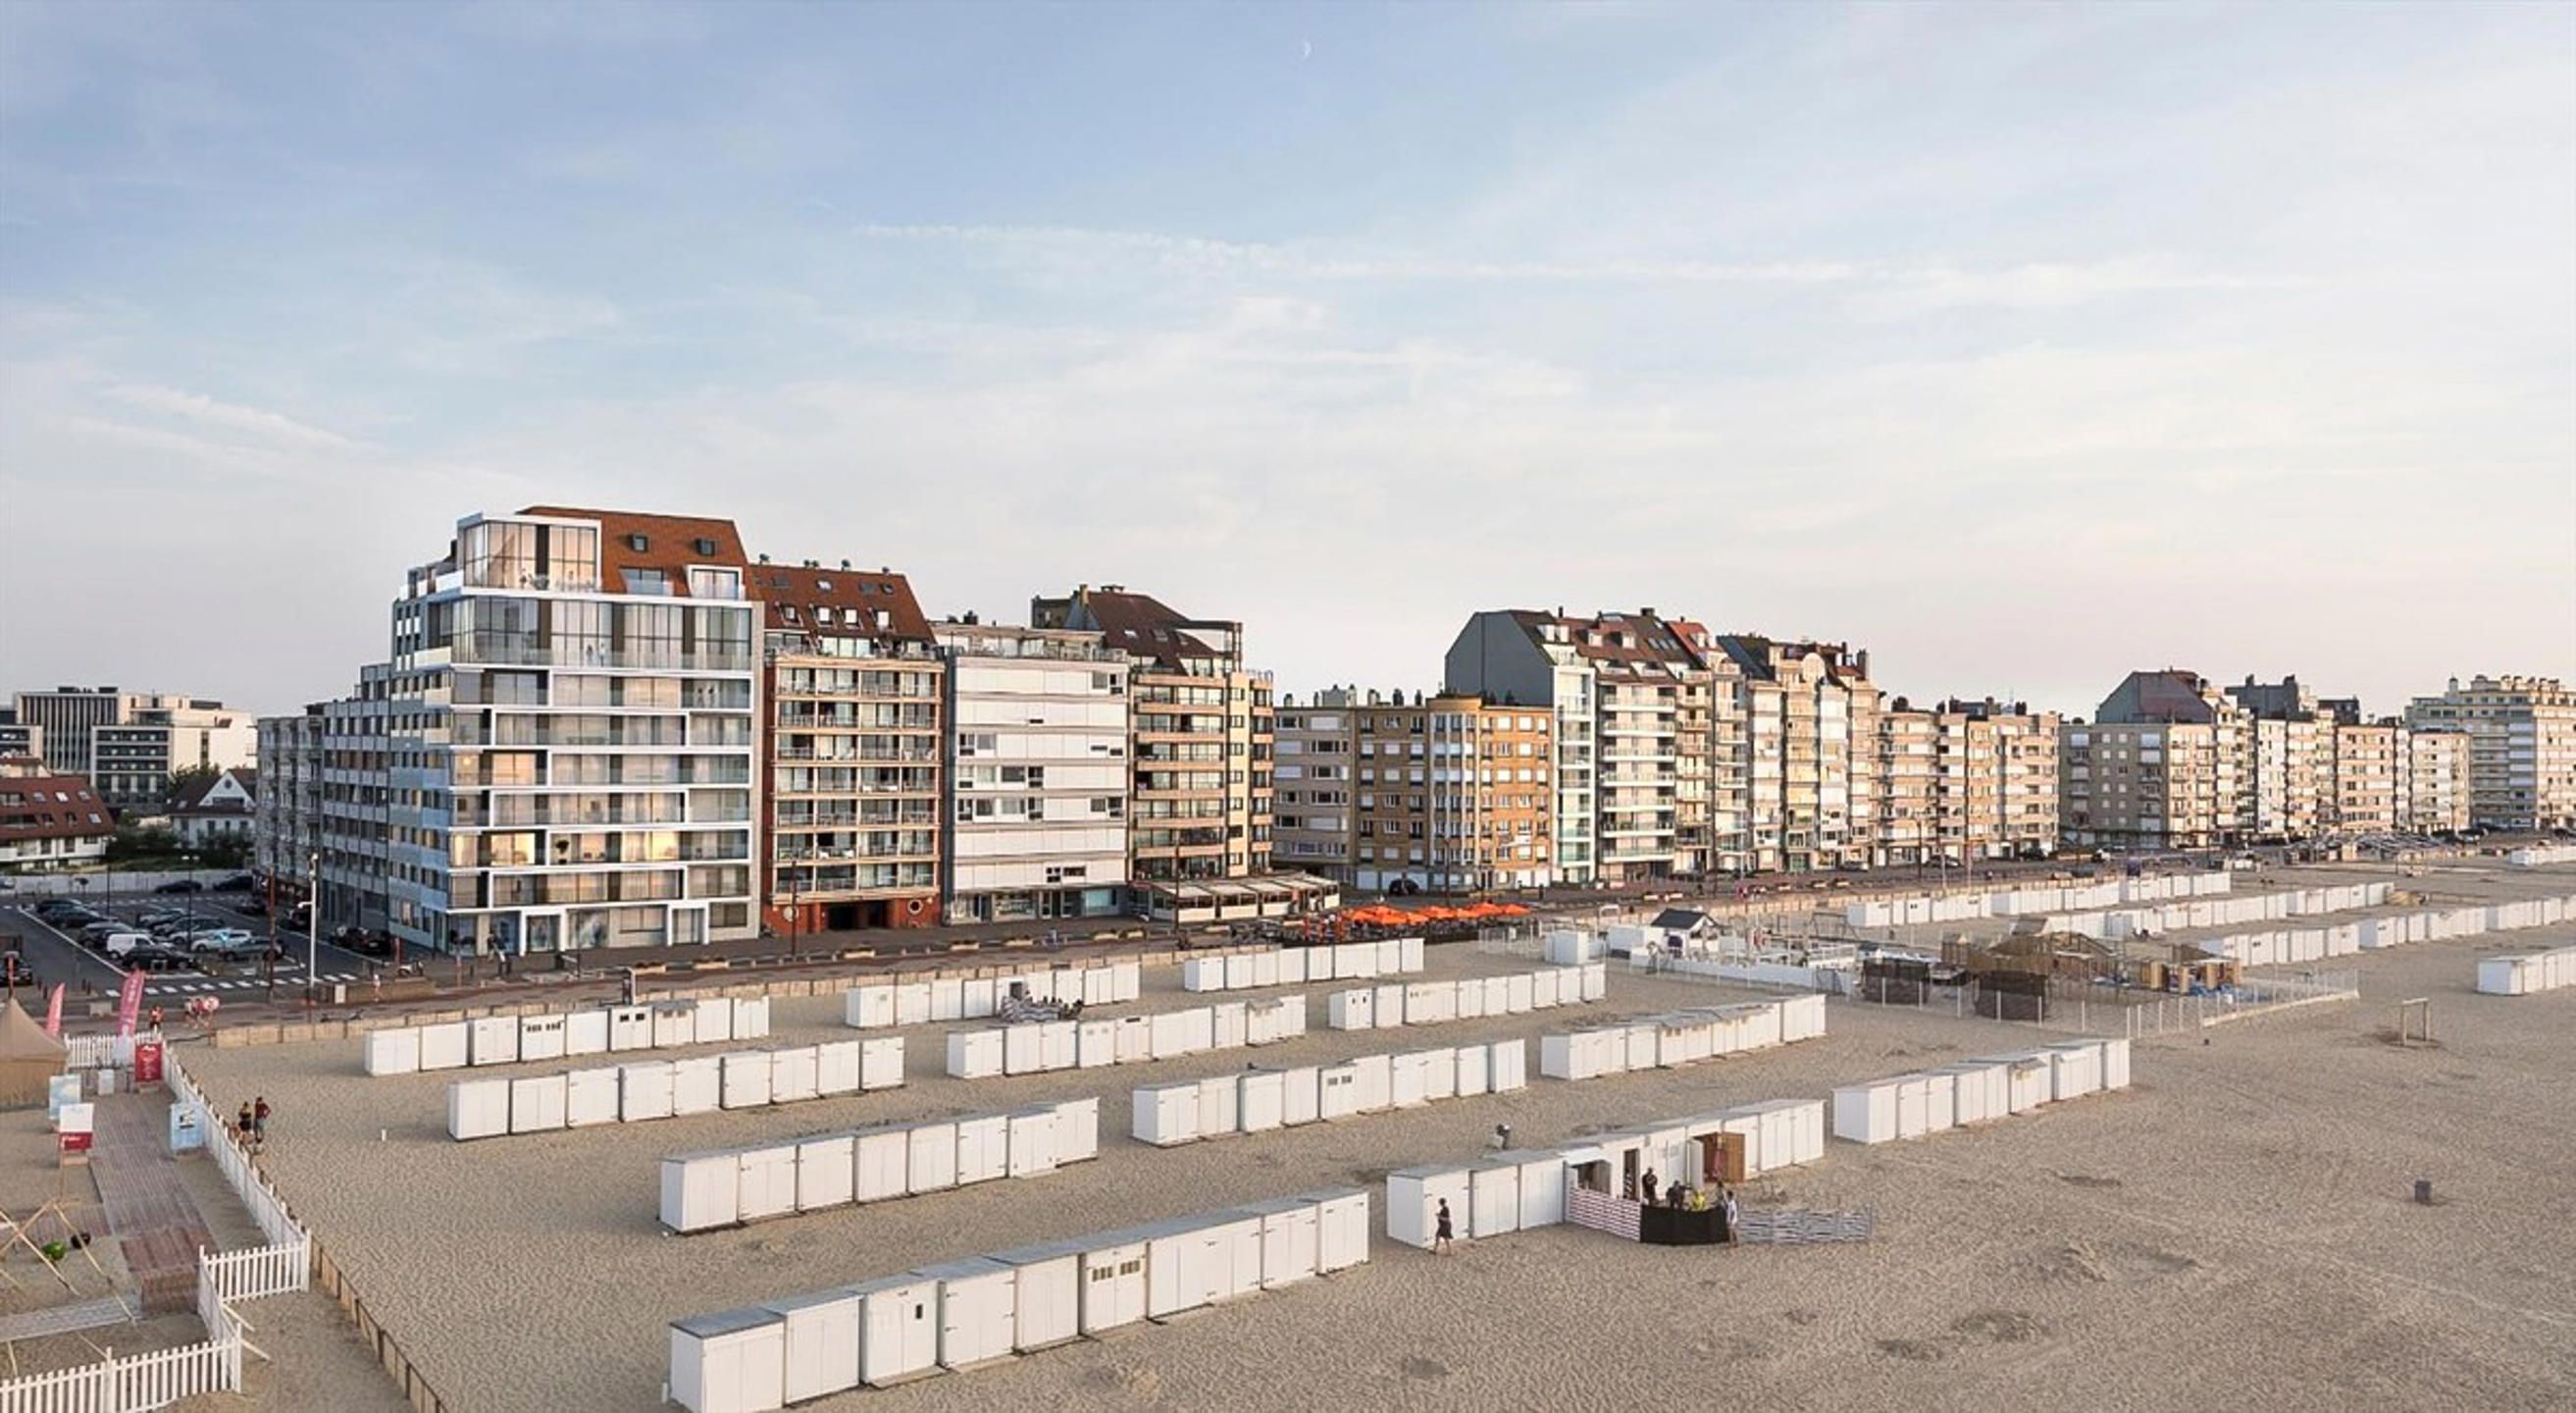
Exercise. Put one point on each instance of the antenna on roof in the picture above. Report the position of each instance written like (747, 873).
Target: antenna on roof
(845, 565)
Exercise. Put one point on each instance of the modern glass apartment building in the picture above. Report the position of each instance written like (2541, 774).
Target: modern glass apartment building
(570, 736)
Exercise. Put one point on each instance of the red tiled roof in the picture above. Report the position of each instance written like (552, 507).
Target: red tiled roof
(869, 603)
(51, 807)
(671, 543)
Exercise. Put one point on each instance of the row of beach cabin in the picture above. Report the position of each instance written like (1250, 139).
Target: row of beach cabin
(2024, 902)
(729, 1187)
(882, 1005)
(597, 1030)
(1501, 1193)
(1297, 966)
(1978, 1091)
(2291, 946)
(1256, 1101)
(1680, 1038)
(662, 1089)
(962, 1314)
(1394, 1005)
(1038, 1047)
(2522, 973)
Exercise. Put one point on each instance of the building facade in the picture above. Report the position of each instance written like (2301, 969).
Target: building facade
(1515, 656)
(1204, 731)
(2167, 763)
(2292, 761)
(1810, 754)
(852, 752)
(1315, 823)
(1038, 772)
(1452, 794)
(1965, 780)
(286, 822)
(2522, 747)
(2370, 789)
(2438, 769)
(573, 758)
(20, 740)
(129, 744)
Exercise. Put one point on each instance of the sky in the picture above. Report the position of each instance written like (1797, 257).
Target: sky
(2020, 345)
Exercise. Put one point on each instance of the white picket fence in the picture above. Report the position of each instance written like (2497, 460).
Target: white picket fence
(140, 1382)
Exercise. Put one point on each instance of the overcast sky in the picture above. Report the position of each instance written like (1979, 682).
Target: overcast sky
(2021, 345)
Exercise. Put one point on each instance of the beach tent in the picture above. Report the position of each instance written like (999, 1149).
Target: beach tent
(29, 1058)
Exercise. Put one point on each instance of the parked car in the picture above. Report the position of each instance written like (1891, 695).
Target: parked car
(51, 907)
(238, 883)
(218, 939)
(93, 931)
(181, 885)
(159, 958)
(117, 944)
(252, 907)
(187, 926)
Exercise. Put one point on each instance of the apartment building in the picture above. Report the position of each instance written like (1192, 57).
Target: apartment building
(1965, 780)
(1038, 773)
(1642, 698)
(2370, 790)
(1452, 794)
(49, 819)
(129, 744)
(1315, 825)
(2438, 769)
(573, 755)
(2167, 763)
(1810, 755)
(286, 821)
(2522, 747)
(851, 752)
(1517, 656)
(1204, 728)
(2292, 760)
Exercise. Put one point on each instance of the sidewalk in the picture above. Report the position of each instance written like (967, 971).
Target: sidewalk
(157, 1226)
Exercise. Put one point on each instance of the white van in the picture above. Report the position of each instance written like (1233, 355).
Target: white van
(117, 944)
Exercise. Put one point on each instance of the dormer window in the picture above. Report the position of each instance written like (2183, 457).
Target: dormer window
(788, 610)
(638, 543)
(705, 547)
(822, 586)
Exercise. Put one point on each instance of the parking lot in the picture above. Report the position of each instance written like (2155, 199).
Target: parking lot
(58, 954)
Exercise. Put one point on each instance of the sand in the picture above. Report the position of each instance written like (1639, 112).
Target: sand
(2234, 1231)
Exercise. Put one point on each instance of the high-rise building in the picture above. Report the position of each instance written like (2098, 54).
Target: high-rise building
(1517, 656)
(571, 752)
(851, 739)
(1965, 780)
(2292, 760)
(2522, 747)
(131, 743)
(2167, 763)
(1452, 794)
(1315, 820)
(1038, 773)
(1810, 756)
(286, 823)
(2438, 768)
(2370, 791)
(1204, 728)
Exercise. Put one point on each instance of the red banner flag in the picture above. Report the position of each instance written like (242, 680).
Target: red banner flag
(129, 1002)
(54, 1012)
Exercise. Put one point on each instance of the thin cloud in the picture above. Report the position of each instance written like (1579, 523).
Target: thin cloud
(258, 423)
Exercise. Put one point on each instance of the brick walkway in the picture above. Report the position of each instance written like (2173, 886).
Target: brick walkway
(156, 1224)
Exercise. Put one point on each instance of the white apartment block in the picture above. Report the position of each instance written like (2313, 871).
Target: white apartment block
(1038, 773)
(572, 754)
(2438, 772)
(2522, 747)
(1965, 781)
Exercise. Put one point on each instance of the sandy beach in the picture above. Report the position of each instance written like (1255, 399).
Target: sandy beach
(2235, 1231)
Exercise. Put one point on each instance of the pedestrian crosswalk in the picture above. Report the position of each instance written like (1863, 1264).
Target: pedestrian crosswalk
(204, 984)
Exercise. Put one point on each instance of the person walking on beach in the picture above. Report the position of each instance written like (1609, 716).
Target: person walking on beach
(1726, 1199)
(244, 1128)
(1440, 1233)
(259, 1120)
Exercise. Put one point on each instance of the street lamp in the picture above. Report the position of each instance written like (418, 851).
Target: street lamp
(313, 926)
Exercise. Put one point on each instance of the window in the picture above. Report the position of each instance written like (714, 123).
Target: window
(638, 543)
(822, 586)
(706, 548)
